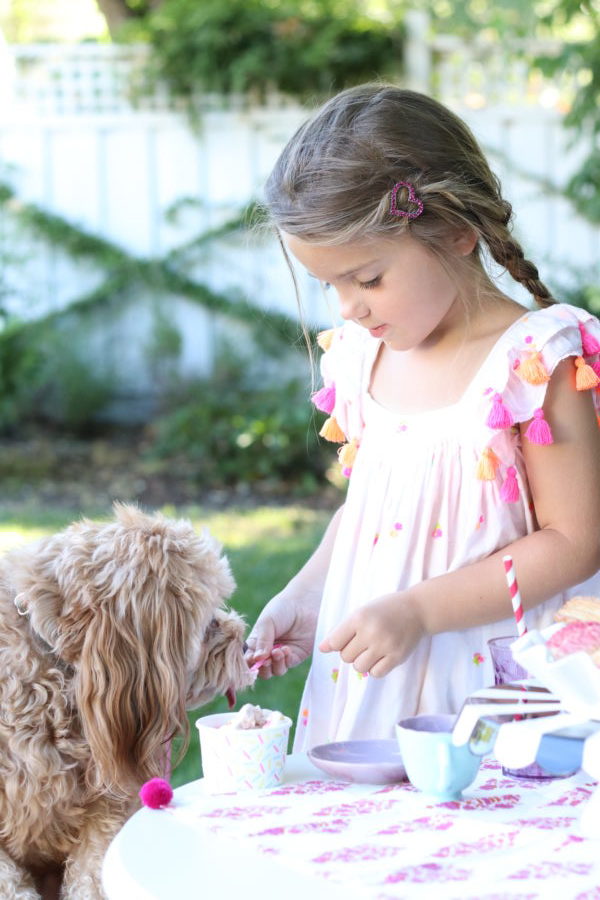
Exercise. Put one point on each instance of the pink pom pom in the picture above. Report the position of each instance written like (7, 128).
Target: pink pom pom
(156, 793)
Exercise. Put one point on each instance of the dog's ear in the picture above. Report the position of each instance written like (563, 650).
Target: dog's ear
(131, 687)
(31, 569)
(155, 587)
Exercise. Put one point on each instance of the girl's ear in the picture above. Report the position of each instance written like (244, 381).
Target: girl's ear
(463, 242)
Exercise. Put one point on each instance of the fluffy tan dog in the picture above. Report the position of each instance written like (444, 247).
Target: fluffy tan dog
(108, 633)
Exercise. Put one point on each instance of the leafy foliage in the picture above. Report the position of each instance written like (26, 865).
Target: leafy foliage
(582, 58)
(46, 378)
(577, 22)
(298, 47)
(231, 428)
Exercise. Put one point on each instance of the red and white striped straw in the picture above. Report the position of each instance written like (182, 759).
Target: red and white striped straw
(515, 596)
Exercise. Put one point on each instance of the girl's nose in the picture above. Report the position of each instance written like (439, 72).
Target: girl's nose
(352, 306)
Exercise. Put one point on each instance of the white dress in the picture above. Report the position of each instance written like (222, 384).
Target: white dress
(430, 493)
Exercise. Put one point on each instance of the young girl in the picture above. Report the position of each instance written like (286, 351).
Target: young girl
(467, 422)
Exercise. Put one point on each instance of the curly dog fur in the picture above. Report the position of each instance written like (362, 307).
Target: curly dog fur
(108, 633)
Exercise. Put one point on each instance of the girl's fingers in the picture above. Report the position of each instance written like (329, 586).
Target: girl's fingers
(279, 661)
(338, 639)
(354, 649)
(381, 667)
(275, 663)
(260, 640)
(265, 671)
(365, 661)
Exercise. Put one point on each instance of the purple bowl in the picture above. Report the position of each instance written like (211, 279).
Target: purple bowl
(364, 762)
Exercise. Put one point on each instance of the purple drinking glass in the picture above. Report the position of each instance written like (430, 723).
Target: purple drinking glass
(506, 671)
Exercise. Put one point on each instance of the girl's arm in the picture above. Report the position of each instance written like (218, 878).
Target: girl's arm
(290, 618)
(565, 485)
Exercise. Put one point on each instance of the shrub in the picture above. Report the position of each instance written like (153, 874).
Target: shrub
(231, 429)
(299, 47)
(46, 377)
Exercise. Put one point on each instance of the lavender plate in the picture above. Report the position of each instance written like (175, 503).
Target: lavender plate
(365, 762)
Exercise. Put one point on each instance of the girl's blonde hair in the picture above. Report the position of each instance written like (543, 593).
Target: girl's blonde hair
(332, 183)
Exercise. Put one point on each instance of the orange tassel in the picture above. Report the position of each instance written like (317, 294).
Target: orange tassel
(585, 377)
(533, 369)
(347, 453)
(487, 465)
(331, 431)
(324, 338)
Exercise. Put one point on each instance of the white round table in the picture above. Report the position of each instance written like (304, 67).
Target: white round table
(155, 856)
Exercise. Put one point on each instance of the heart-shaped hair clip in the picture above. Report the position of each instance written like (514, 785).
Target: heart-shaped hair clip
(412, 199)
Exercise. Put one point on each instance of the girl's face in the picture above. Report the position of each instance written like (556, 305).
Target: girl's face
(397, 289)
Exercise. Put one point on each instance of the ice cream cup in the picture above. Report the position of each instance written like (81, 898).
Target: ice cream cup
(242, 759)
(433, 764)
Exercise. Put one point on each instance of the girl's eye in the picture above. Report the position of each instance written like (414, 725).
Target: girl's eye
(367, 285)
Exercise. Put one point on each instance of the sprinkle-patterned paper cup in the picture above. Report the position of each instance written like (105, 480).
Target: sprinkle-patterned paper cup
(235, 759)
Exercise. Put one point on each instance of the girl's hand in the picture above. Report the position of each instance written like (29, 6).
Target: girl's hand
(283, 635)
(379, 636)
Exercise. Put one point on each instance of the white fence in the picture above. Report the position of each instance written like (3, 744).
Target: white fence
(73, 141)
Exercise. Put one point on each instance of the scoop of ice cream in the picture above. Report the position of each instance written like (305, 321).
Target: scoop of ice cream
(575, 636)
(250, 716)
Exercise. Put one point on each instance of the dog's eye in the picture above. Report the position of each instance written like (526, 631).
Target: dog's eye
(212, 626)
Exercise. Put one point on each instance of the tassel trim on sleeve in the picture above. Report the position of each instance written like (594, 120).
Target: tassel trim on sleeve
(533, 369)
(324, 399)
(539, 432)
(589, 344)
(509, 492)
(347, 453)
(487, 465)
(324, 338)
(585, 376)
(499, 416)
(331, 431)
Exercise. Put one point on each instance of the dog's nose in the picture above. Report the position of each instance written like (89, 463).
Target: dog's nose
(244, 647)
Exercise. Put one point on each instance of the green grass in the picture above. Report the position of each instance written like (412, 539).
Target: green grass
(265, 546)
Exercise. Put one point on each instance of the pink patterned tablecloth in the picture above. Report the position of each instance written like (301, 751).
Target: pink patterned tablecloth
(507, 839)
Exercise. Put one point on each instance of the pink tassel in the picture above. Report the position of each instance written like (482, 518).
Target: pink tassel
(589, 343)
(539, 432)
(324, 399)
(596, 367)
(499, 416)
(510, 488)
